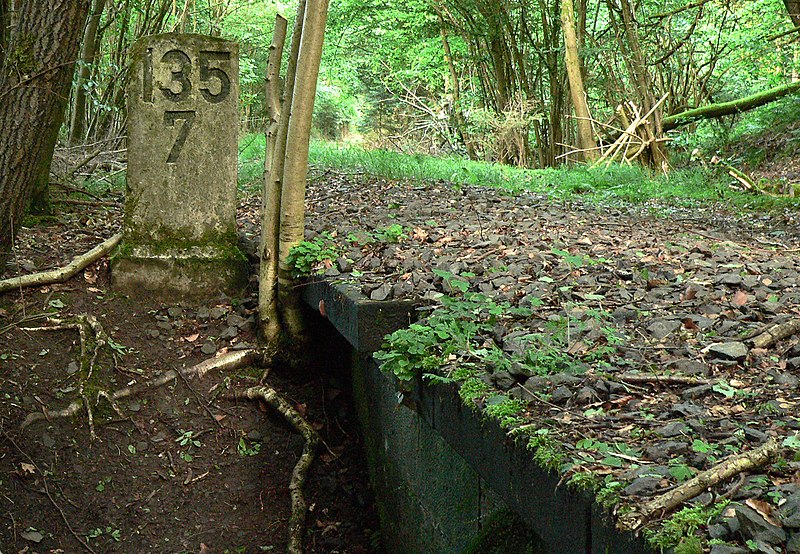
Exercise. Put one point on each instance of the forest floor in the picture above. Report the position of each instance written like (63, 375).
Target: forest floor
(634, 345)
(634, 360)
(180, 469)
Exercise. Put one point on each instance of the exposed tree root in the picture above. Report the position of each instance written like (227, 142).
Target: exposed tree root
(231, 360)
(297, 482)
(726, 469)
(62, 274)
(775, 333)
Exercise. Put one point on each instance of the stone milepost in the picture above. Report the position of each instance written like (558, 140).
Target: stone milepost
(180, 230)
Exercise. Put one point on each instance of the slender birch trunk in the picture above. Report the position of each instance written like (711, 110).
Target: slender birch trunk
(292, 223)
(273, 167)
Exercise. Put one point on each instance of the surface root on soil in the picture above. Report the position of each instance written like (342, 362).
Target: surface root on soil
(297, 482)
(224, 362)
(62, 274)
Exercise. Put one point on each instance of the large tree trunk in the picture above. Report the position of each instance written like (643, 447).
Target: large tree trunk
(77, 128)
(575, 75)
(5, 26)
(35, 81)
(793, 8)
(293, 193)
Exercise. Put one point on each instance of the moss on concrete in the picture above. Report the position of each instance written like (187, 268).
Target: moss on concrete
(506, 533)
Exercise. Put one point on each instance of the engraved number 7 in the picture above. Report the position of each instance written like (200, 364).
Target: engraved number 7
(169, 120)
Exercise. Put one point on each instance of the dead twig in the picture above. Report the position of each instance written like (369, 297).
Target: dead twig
(229, 361)
(774, 333)
(726, 469)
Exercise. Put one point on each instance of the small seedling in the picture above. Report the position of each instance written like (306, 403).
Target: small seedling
(248, 450)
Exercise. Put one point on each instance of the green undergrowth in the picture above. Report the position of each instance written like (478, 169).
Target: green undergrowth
(617, 183)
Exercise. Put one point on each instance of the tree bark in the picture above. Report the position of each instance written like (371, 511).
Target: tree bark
(273, 174)
(292, 225)
(35, 83)
(793, 9)
(575, 76)
(730, 108)
(77, 128)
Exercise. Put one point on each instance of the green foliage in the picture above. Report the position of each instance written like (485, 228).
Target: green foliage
(683, 524)
(451, 330)
(311, 257)
(506, 410)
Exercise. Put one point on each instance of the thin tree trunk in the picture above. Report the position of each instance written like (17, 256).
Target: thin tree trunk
(458, 112)
(35, 84)
(296, 164)
(270, 218)
(77, 128)
(584, 124)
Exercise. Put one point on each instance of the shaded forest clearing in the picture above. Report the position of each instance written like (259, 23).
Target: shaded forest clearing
(180, 468)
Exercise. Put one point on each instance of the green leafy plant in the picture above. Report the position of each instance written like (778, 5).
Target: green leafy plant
(245, 449)
(312, 257)
(684, 524)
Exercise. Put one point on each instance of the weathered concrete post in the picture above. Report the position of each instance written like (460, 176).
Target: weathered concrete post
(180, 207)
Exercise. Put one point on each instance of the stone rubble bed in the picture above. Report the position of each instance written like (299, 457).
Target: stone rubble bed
(654, 307)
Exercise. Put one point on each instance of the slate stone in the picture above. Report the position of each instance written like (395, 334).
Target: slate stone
(48, 441)
(381, 293)
(729, 279)
(699, 391)
(665, 451)
(174, 312)
(203, 314)
(662, 328)
(755, 527)
(229, 332)
(503, 380)
(754, 435)
(217, 312)
(344, 265)
(72, 368)
(690, 367)
(586, 395)
(236, 320)
(687, 409)
(783, 378)
(643, 486)
(793, 544)
(208, 348)
(525, 394)
(793, 363)
(719, 531)
(734, 351)
(561, 395)
(673, 429)
(558, 379)
(790, 511)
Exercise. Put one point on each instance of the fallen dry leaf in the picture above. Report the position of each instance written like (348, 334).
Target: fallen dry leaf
(739, 298)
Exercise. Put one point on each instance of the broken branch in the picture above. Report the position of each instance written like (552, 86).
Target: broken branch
(62, 274)
(724, 470)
